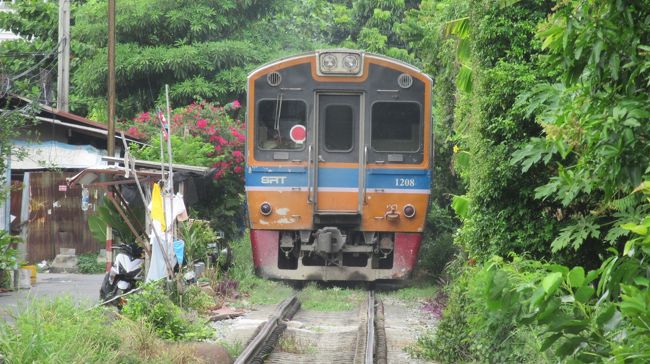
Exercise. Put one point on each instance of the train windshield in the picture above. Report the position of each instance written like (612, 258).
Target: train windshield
(275, 119)
(396, 126)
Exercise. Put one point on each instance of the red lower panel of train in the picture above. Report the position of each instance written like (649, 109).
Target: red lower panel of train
(392, 259)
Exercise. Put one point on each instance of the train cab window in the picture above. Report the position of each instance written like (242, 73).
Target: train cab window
(339, 128)
(396, 127)
(274, 122)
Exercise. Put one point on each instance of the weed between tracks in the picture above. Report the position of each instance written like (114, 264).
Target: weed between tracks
(330, 299)
(289, 343)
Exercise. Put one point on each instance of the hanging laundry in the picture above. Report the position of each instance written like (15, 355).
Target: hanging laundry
(157, 207)
(174, 209)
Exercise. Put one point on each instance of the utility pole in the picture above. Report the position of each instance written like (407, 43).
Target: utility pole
(111, 78)
(63, 74)
(110, 140)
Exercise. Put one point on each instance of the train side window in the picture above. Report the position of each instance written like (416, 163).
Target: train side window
(339, 128)
(396, 127)
(273, 131)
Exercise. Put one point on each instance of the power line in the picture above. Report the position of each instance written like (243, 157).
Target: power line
(52, 52)
(18, 54)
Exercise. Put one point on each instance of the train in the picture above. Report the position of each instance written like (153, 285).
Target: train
(338, 167)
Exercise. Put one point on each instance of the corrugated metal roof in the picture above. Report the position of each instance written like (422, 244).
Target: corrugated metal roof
(72, 118)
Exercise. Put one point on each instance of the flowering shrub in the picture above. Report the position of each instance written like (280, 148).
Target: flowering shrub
(203, 133)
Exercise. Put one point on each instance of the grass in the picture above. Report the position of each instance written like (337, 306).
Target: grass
(330, 299)
(258, 291)
(58, 331)
(417, 292)
(289, 343)
(234, 349)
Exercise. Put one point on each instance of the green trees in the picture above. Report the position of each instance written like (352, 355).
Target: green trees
(201, 48)
(594, 117)
(555, 132)
(197, 48)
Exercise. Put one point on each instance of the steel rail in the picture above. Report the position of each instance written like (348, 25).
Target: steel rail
(264, 342)
(370, 329)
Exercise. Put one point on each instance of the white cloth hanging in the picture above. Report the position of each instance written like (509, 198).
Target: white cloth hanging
(174, 210)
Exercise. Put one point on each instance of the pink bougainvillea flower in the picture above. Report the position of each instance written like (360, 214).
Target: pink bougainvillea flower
(238, 135)
(201, 123)
(236, 104)
(236, 154)
(217, 148)
(238, 169)
(221, 140)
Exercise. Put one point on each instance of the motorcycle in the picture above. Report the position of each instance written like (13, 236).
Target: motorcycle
(126, 271)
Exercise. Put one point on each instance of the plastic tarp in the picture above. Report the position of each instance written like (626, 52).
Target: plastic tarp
(53, 154)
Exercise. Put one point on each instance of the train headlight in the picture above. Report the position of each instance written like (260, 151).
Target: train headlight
(350, 62)
(340, 63)
(409, 211)
(328, 62)
(266, 209)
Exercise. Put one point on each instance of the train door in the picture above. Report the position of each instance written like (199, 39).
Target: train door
(337, 154)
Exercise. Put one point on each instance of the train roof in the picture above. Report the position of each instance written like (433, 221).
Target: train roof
(316, 52)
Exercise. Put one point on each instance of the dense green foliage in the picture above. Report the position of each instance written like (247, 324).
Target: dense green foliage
(555, 129)
(471, 332)
(88, 264)
(196, 234)
(153, 306)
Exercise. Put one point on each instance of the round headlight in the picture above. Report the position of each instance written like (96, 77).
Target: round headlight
(328, 61)
(265, 208)
(350, 62)
(409, 211)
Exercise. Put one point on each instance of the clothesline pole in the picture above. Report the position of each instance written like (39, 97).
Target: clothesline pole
(170, 159)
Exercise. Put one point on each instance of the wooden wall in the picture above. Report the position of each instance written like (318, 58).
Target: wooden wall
(56, 219)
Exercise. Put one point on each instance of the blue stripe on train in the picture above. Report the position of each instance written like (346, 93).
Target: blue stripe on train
(339, 177)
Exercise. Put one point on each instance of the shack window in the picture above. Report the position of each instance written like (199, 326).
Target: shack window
(274, 122)
(339, 128)
(396, 126)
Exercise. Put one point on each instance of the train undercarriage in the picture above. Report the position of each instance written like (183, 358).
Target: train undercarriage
(334, 254)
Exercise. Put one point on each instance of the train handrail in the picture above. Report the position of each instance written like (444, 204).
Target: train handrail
(309, 172)
(365, 175)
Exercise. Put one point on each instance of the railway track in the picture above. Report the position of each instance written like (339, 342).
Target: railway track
(292, 335)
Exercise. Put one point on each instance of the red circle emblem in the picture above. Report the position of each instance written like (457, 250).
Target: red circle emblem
(298, 134)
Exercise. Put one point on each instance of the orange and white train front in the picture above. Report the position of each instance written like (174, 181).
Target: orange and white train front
(338, 172)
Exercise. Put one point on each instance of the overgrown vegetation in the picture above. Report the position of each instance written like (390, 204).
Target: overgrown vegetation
(197, 235)
(58, 331)
(153, 306)
(7, 256)
(256, 290)
(88, 264)
(552, 148)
